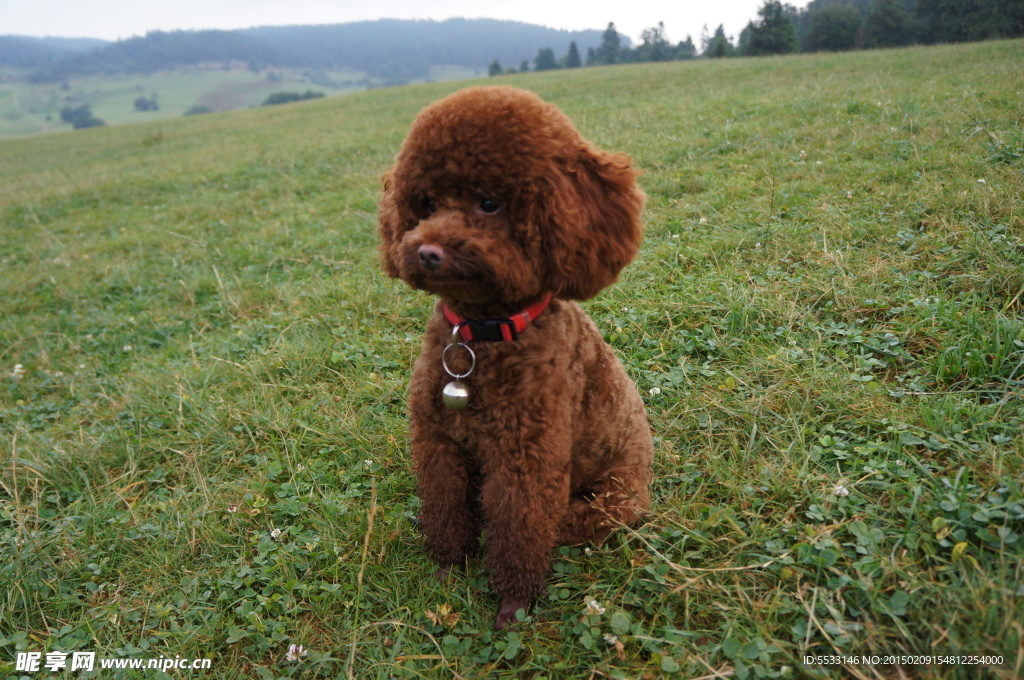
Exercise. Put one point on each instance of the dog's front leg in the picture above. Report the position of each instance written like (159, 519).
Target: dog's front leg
(524, 497)
(448, 488)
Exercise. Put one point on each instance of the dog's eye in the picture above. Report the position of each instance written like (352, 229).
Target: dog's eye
(488, 206)
(430, 205)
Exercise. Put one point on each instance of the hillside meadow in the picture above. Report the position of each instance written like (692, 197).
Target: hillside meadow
(34, 108)
(203, 441)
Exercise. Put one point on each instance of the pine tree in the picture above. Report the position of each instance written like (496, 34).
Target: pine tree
(832, 28)
(888, 25)
(705, 40)
(743, 44)
(608, 52)
(686, 49)
(773, 33)
(572, 59)
(718, 45)
(655, 46)
(494, 69)
(545, 60)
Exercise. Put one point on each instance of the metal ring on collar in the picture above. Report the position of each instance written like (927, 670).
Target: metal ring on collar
(454, 343)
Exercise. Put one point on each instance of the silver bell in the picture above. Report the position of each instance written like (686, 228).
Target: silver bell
(455, 395)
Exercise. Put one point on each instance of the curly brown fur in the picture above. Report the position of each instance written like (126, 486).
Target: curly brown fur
(495, 200)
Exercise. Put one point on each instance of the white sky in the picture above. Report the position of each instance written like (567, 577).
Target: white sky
(113, 19)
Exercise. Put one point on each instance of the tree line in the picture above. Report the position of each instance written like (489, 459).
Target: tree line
(824, 25)
(391, 51)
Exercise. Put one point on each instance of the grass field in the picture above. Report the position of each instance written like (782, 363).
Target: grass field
(35, 108)
(203, 375)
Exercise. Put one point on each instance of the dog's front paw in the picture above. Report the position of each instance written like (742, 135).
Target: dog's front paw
(507, 612)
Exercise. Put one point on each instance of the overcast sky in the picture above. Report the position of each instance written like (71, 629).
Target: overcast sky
(113, 19)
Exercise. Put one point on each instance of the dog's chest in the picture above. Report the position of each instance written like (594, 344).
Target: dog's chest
(509, 391)
(519, 393)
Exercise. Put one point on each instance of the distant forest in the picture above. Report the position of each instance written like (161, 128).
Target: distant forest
(21, 52)
(392, 50)
(824, 25)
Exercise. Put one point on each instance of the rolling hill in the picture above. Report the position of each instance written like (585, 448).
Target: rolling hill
(392, 49)
(225, 70)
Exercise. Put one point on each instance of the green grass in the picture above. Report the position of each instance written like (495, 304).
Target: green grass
(204, 452)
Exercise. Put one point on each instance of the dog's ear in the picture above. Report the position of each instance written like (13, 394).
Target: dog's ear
(388, 221)
(590, 224)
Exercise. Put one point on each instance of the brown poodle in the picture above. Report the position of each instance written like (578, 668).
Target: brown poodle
(523, 421)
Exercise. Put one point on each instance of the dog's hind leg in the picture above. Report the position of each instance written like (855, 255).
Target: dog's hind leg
(620, 498)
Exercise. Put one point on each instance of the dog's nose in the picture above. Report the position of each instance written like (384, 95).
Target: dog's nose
(431, 256)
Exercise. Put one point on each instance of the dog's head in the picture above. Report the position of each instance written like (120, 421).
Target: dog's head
(495, 197)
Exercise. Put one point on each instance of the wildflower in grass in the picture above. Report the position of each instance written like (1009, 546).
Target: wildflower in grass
(19, 371)
(840, 490)
(296, 652)
(655, 391)
(232, 509)
(275, 533)
(592, 607)
(981, 181)
(444, 616)
(703, 220)
(127, 348)
(614, 642)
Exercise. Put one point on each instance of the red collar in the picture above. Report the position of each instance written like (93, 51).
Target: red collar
(496, 329)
